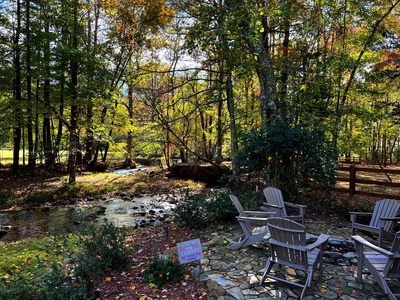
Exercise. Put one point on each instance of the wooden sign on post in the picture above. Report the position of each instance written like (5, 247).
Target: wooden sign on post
(190, 251)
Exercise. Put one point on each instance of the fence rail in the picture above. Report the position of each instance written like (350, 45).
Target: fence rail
(353, 175)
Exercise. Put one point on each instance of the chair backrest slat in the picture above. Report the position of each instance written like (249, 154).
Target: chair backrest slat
(240, 210)
(274, 197)
(288, 241)
(385, 208)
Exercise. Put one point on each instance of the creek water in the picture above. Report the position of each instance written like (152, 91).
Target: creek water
(35, 223)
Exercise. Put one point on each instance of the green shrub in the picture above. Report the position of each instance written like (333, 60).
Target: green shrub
(95, 251)
(103, 250)
(18, 289)
(288, 157)
(198, 211)
(219, 207)
(163, 270)
(57, 285)
(192, 212)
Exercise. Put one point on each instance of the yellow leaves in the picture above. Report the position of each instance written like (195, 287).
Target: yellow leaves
(133, 287)
(108, 279)
(143, 298)
(324, 289)
(187, 276)
(6, 276)
(303, 88)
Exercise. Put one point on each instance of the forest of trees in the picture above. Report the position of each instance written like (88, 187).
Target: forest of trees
(191, 79)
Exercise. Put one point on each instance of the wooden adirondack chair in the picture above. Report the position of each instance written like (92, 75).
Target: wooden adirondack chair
(382, 219)
(276, 203)
(383, 264)
(287, 240)
(248, 220)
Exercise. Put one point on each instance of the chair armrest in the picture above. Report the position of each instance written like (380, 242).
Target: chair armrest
(252, 219)
(359, 213)
(260, 213)
(355, 214)
(363, 242)
(321, 240)
(390, 219)
(272, 205)
(295, 205)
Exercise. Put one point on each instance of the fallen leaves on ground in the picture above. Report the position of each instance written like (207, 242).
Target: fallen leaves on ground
(146, 245)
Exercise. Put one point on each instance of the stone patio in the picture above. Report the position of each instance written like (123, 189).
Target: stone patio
(236, 274)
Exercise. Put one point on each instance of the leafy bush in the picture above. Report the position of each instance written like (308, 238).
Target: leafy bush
(288, 157)
(57, 285)
(18, 289)
(95, 251)
(103, 250)
(163, 270)
(192, 212)
(219, 207)
(198, 211)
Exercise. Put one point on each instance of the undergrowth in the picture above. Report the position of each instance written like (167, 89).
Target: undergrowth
(62, 268)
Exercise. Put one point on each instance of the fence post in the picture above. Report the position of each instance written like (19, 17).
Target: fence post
(352, 183)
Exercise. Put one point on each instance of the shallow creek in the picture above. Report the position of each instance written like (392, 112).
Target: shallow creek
(139, 212)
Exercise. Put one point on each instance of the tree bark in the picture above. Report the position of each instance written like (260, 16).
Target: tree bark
(47, 143)
(31, 152)
(74, 106)
(17, 94)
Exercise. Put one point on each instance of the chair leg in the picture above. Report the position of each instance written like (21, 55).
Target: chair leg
(241, 240)
(307, 284)
(268, 268)
(383, 284)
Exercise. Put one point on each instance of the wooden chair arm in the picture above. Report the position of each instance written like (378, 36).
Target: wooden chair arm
(252, 219)
(260, 213)
(321, 240)
(360, 241)
(359, 213)
(295, 205)
(355, 214)
(390, 219)
(272, 205)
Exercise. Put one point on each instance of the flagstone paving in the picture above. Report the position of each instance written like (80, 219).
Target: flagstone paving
(236, 274)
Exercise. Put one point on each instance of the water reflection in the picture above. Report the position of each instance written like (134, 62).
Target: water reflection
(62, 220)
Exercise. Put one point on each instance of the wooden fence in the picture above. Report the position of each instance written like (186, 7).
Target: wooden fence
(381, 184)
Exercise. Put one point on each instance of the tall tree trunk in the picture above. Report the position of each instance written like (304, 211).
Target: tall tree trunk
(266, 77)
(74, 105)
(234, 143)
(92, 49)
(37, 134)
(220, 134)
(60, 117)
(128, 159)
(31, 152)
(17, 94)
(47, 143)
(282, 102)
